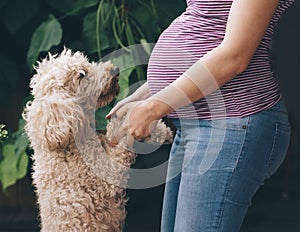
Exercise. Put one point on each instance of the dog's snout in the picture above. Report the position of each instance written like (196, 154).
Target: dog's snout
(115, 72)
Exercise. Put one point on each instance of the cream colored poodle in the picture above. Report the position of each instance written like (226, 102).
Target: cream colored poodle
(79, 178)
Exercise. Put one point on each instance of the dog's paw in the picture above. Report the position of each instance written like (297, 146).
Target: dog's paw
(161, 134)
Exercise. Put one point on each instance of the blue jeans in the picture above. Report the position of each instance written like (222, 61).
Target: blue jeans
(216, 166)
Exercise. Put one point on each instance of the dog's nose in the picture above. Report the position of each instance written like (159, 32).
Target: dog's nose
(115, 72)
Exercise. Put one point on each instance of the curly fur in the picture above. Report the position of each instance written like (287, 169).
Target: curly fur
(79, 178)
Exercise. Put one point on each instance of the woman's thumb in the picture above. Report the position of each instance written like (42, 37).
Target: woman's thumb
(110, 113)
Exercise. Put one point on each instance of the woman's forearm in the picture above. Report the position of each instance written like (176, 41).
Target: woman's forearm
(141, 93)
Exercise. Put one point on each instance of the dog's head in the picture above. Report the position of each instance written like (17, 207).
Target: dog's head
(71, 75)
(67, 88)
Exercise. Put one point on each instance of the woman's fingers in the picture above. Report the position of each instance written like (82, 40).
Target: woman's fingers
(137, 123)
(129, 140)
(120, 133)
(122, 111)
(113, 111)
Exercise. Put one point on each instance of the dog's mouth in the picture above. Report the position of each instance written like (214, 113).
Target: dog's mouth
(111, 91)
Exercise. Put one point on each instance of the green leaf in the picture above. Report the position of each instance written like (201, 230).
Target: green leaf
(118, 29)
(8, 150)
(21, 145)
(12, 167)
(147, 19)
(134, 53)
(146, 46)
(126, 64)
(101, 121)
(47, 35)
(123, 60)
(21, 141)
(71, 7)
(22, 166)
(14, 162)
(8, 166)
(89, 31)
(22, 122)
(124, 83)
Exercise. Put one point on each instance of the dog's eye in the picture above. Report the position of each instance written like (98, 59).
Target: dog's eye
(81, 74)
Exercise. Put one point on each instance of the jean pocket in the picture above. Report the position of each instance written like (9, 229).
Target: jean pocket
(279, 148)
(237, 123)
(224, 149)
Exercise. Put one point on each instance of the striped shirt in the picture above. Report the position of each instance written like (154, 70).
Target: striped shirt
(199, 29)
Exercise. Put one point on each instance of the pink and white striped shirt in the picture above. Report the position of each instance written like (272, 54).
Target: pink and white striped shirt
(199, 29)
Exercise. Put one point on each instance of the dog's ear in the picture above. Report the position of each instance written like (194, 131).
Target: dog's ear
(57, 130)
(54, 126)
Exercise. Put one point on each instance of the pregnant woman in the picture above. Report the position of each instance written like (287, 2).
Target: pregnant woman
(210, 73)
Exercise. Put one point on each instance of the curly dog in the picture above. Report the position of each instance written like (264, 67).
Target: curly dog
(79, 178)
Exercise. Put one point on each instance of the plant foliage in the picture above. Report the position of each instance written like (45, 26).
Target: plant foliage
(97, 27)
(14, 158)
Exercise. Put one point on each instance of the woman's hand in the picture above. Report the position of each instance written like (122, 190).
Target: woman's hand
(141, 93)
(118, 106)
(139, 121)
